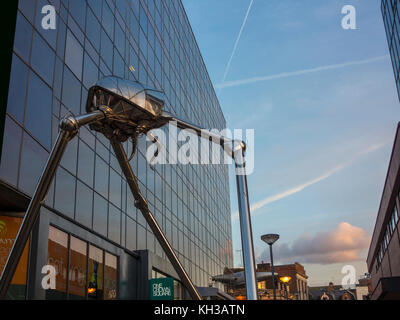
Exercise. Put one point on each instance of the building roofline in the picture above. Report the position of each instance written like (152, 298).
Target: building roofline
(372, 251)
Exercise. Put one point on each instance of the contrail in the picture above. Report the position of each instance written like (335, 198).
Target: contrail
(289, 192)
(298, 73)
(228, 66)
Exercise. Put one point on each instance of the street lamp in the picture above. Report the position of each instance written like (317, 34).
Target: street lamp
(270, 239)
(286, 280)
(122, 109)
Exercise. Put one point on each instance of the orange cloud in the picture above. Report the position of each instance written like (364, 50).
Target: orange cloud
(344, 244)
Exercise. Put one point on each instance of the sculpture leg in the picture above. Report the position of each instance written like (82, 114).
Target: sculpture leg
(69, 128)
(142, 205)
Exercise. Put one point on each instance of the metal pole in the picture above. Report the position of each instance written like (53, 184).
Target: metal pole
(272, 270)
(245, 226)
(69, 128)
(142, 205)
(236, 150)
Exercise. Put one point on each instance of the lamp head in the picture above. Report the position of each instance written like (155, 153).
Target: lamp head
(285, 279)
(270, 238)
(132, 108)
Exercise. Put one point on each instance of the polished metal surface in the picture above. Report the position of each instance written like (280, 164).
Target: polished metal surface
(236, 150)
(142, 205)
(68, 129)
(245, 228)
(272, 271)
(134, 108)
(270, 238)
(123, 109)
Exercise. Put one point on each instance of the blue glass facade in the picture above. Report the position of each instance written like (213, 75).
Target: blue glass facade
(391, 18)
(52, 71)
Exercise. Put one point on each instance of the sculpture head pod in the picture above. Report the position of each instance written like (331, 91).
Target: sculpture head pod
(133, 109)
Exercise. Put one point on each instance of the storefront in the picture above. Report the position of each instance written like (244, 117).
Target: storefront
(85, 265)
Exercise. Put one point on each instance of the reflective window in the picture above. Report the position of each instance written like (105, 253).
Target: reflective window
(110, 277)
(84, 204)
(33, 159)
(38, 110)
(57, 256)
(9, 227)
(65, 193)
(77, 269)
(44, 67)
(17, 89)
(114, 224)
(106, 49)
(93, 29)
(10, 154)
(100, 209)
(90, 72)
(71, 92)
(101, 177)
(96, 269)
(86, 164)
(74, 55)
(23, 37)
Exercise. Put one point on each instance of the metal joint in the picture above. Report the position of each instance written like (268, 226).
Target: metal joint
(69, 124)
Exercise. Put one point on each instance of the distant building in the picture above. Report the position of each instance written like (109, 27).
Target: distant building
(296, 289)
(384, 251)
(332, 292)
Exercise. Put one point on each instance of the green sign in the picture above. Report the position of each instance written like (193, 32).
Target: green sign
(162, 289)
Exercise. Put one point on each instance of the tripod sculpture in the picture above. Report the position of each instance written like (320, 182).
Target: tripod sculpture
(122, 109)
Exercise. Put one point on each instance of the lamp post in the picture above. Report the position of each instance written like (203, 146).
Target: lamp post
(285, 281)
(270, 239)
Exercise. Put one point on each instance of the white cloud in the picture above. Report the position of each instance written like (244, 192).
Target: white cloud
(262, 203)
(299, 72)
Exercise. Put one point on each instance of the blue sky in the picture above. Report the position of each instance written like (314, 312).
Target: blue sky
(323, 103)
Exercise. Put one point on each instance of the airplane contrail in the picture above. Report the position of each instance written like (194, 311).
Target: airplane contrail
(298, 73)
(228, 66)
(260, 204)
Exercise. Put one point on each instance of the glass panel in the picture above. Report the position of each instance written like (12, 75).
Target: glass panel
(114, 224)
(96, 267)
(84, 205)
(71, 92)
(17, 89)
(57, 256)
(77, 270)
(33, 160)
(74, 55)
(44, 67)
(10, 154)
(100, 215)
(65, 193)
(110, 277)
(23, 37)
(38, 110)
(9, 227)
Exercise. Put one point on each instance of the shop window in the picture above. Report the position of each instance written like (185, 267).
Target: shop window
(77, 269)
(57, 256)
(9, 227)
(96, 267)
(110, 277)
(92, 272)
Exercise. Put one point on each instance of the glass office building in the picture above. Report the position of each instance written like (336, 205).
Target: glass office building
(391, 18)
(89, 229)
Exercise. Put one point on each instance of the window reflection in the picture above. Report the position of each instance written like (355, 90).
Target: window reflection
(77, 270)
(95, 280)
(110, 277)
(57, 256)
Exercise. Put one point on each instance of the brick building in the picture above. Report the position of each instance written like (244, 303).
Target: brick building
(296, 289)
